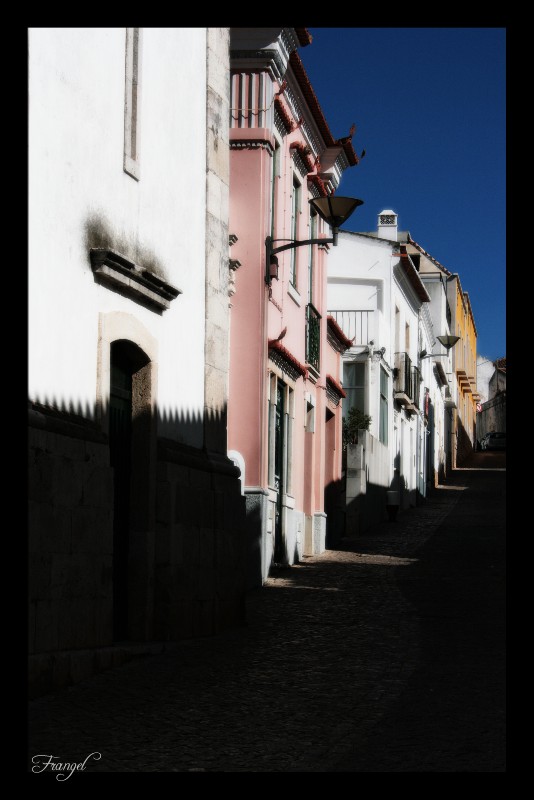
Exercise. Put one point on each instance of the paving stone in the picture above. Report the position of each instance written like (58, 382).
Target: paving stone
(385, 655)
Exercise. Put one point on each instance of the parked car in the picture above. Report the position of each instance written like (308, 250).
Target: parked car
(493, 441)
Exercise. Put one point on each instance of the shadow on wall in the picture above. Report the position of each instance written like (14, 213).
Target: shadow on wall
(367, 508)
(465, 446)
(133, 536)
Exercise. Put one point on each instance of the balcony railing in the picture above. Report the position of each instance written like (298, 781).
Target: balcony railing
(416, 386)
(403, 386)
(313, 337)
(357, 325)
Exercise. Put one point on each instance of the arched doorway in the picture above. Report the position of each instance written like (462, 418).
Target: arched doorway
(129, 444)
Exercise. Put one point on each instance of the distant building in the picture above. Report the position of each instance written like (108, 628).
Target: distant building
(492, 414)
(284, 420)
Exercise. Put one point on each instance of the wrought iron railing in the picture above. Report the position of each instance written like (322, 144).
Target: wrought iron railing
(313, 337)
(403, 381)
(357, 325)
(416, 386)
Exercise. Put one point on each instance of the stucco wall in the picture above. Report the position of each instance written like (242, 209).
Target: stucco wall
(80, 197)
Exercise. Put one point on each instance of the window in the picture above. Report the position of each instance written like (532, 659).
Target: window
(132, 98)
(274, 182)
(383, 421)
(354, 386)
(295, 210)
(311, 254)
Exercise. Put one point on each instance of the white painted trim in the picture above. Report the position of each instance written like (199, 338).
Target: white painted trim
(132, 103)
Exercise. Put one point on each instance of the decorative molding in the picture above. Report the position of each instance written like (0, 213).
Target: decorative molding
(282, 119)
(335, 336)
(251, 144)
(285, 360)
(267, 58)
(114, 269)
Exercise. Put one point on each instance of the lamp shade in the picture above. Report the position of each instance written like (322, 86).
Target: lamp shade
(448, 341)
(335, 210)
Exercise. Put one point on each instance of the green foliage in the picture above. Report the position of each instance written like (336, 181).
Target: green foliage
(355, 421)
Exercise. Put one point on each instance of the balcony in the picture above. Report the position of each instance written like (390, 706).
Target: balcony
(313, 337)
(356, 325)
(403, 385)
(416, 386)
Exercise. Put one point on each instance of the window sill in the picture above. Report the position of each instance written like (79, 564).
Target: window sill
(294, 295)
(113, 269)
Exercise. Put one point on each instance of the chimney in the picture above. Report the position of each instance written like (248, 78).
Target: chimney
(387, 225)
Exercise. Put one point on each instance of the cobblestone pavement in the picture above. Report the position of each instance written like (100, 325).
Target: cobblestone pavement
(386, 655)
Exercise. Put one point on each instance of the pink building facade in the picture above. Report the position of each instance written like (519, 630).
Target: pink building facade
(284, 415)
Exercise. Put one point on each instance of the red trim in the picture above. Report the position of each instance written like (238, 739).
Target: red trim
(304, 36)
(335, 386)
(424, 252)
(346, 143)
(315, 108)
(304, 153)
(274, 344)
(338, 333)
(284, 114)
(319, 183)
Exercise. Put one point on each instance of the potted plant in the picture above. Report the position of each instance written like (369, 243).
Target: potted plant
(355, 421)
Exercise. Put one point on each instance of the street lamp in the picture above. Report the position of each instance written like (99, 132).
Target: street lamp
(447, 341)
(334, 210)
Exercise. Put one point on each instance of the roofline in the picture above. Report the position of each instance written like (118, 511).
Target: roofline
(412, 275)
(317, 112)
(337, 331)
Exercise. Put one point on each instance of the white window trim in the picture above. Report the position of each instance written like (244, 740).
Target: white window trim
(132, 103)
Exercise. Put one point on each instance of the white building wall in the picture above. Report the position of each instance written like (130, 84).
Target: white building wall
(79, 193)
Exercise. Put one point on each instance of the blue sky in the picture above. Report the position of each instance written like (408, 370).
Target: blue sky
(429, 106)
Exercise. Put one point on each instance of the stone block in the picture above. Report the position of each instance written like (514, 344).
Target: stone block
(68, 482)
(203, 617)
(77, 624)
(37, 438)
(207, 548)
(217, 348)
(163, 502)
(31, 626)
(39, 675)
(92, 529)
(216, 388)
(46, 625)
(39, 576)
(97, 485)
(184, 509)
(41, 470)
(191, 546)
(54, 524)
(70, 448)
(176, 542)
(199, 479)
(96, 454)
(61, 672)
(178, 473)
(103, 609)
(162, 543)
(34, 526)
(234, 511)
(206, 586)
(218, 43)
(181, 620)
(82, 665)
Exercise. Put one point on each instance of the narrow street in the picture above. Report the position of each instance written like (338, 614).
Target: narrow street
(387, 655)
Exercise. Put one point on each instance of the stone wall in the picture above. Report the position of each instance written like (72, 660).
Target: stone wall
(200, 558)
(198, 582)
